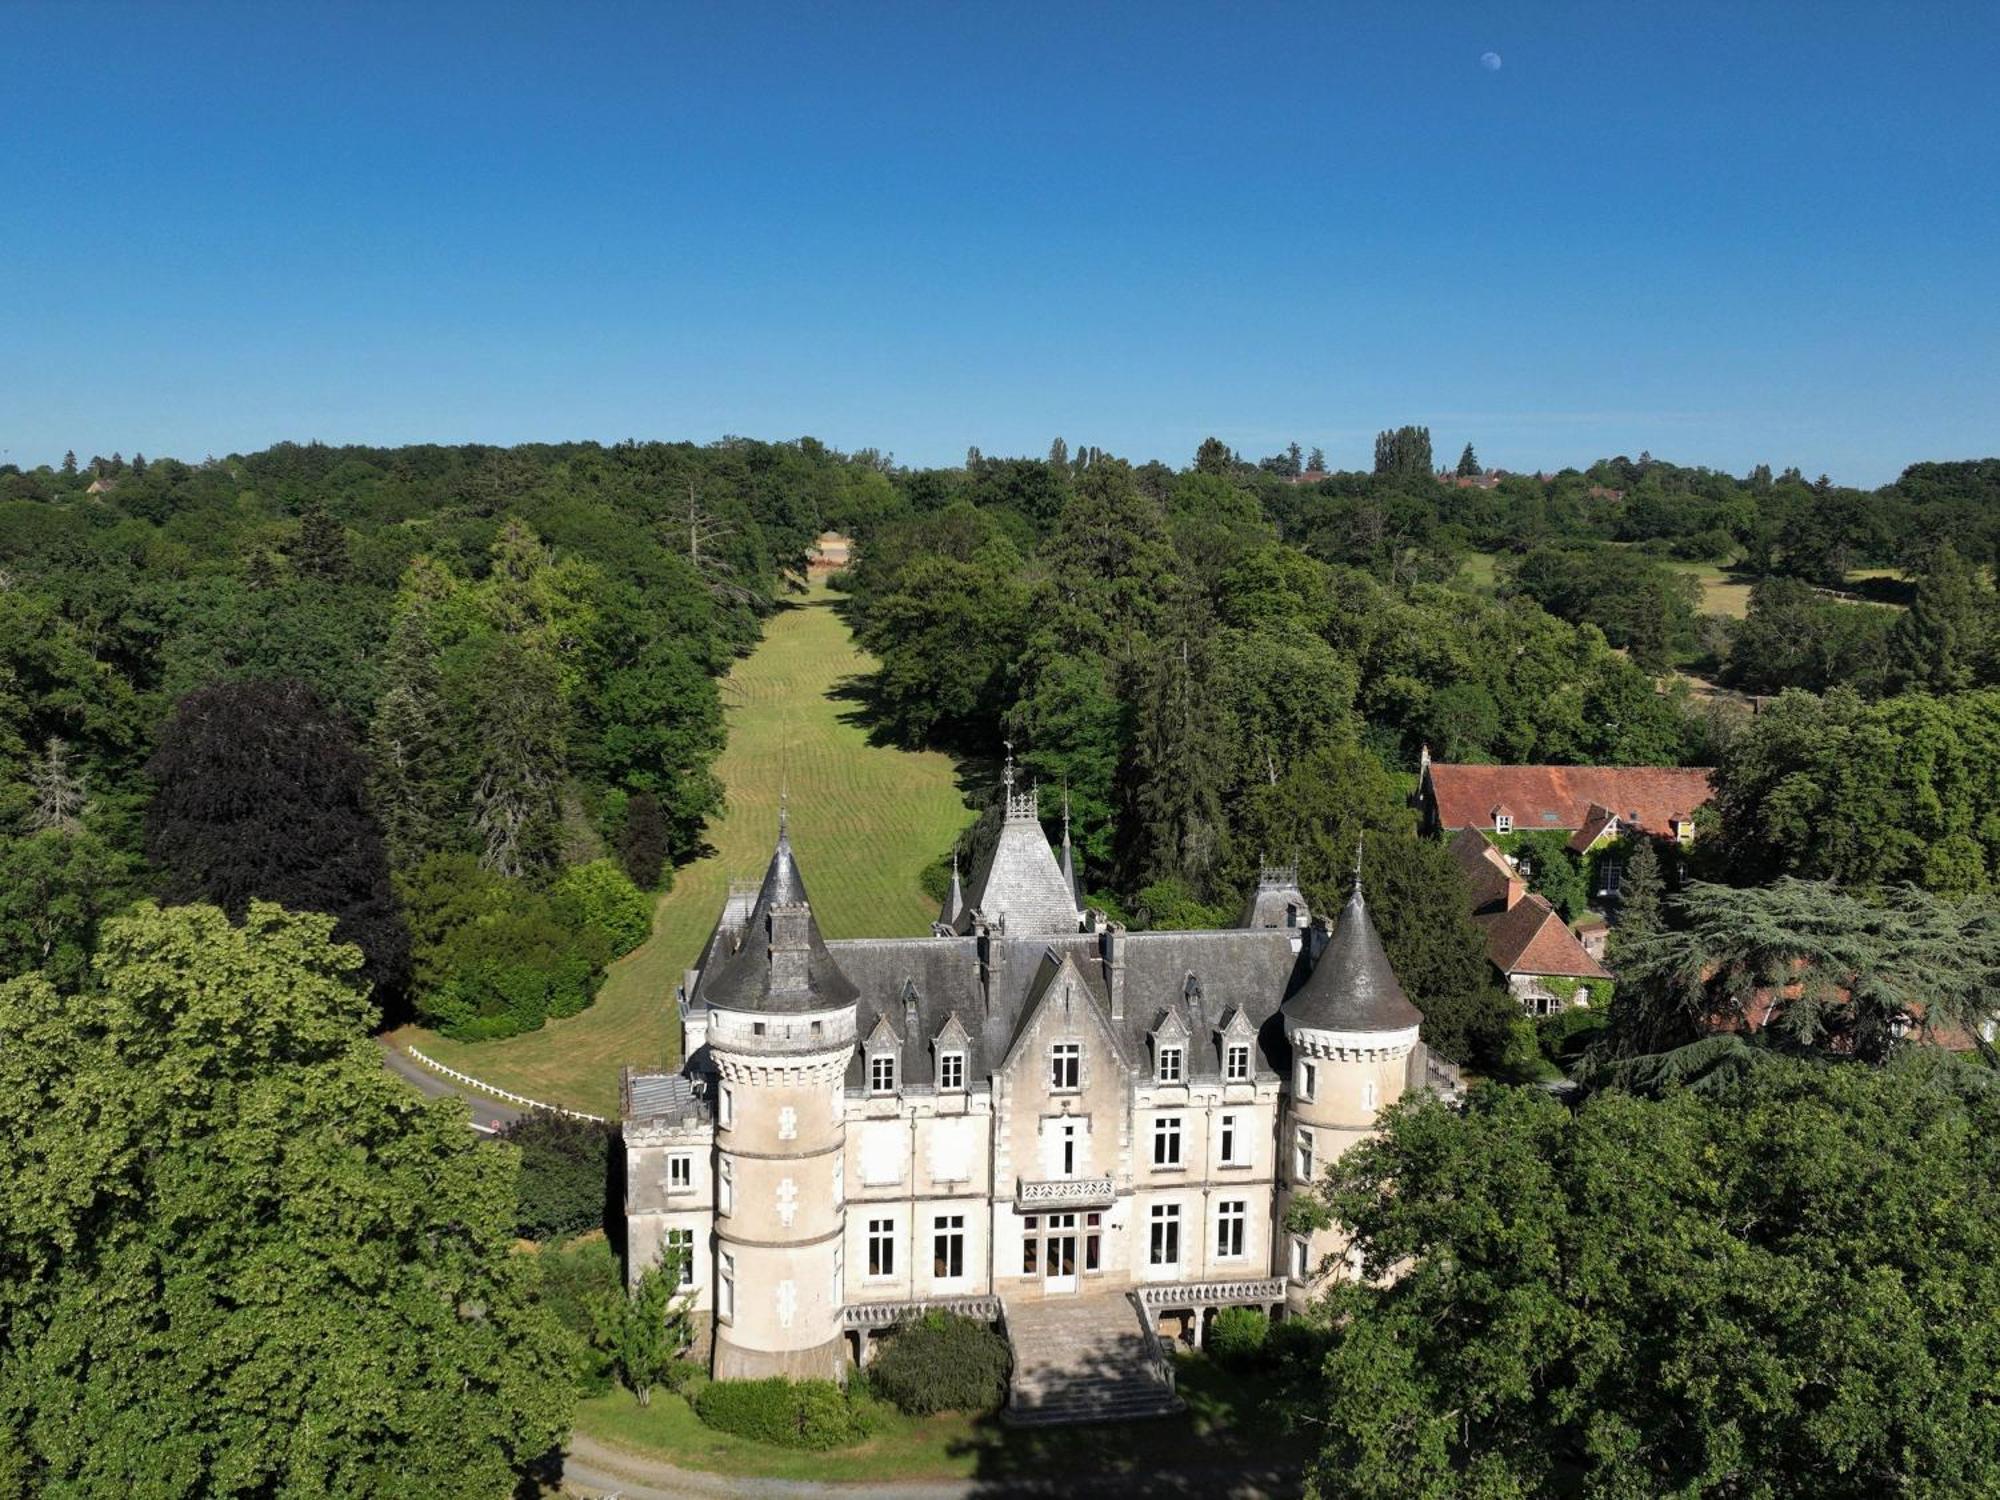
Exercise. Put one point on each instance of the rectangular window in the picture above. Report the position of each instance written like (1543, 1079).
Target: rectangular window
(1308, 1080)
(1236, 1067)
(1170, 1065)
(839, 1181)
(1614, 871)
(1092, 1258)
(951, 1072)
(1298, 1260)
(1368, 1094)
(1302, 1156)
(1167, 1141)
(1166, 1246)
(881, 1247)
(1232, 1142)
(948, 1247)
(725, 1187)
(882, 1073)
(839, 1272)
(1031, 1241)
(680, 1173)
(1503, 823)
(725, 1285)
(1229, 1219)
(725, 1106)
(1065, 1065)
(680, 1251)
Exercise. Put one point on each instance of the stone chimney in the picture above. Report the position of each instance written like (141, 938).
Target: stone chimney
(1112, 945)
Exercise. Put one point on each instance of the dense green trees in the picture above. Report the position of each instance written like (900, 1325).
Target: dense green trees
(236, 1257)
(1765, 1292)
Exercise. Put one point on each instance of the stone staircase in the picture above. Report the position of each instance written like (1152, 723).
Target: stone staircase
(1084, 1359)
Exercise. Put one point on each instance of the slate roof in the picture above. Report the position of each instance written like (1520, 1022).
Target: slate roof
(1645, 797)
(1484, 869)
(1019, 882)
(1352, 987)
(1532, 938)
(744, 970)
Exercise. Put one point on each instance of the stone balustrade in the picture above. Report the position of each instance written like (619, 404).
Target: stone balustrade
(1266, 1289)
(888, 1314)
(1063, 1192)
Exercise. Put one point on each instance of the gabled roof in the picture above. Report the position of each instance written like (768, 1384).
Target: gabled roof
(1484, 869)
(1596, 823)
(1352, 987)
(777, 961)
(1532, 938)
(1648, 798)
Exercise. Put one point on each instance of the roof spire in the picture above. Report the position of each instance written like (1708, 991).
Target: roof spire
(1007, 771)
(1357, 863)
(784, 810)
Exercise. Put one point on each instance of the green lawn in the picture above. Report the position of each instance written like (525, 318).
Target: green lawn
(1232, 1417)
(865, 821)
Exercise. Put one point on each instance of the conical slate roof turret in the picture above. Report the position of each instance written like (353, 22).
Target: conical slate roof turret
(1020, 886)
(1352, 987)
(954, 899)
(781, 963)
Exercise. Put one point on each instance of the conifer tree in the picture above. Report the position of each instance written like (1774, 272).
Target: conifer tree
(57, 787)
(1316, 462)
(1213, 457)
(412, 785)
(644, 847)
(1639, 914)
(1939, 642)
(69, 464)
(1059, 454)
(321, 548)
(1177, 768)
(1468, 463)
(1405, 451)
(516, 797)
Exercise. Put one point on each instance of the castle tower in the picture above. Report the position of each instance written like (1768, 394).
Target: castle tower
(1352, 1033)
(1020, 889)
(781, 1030)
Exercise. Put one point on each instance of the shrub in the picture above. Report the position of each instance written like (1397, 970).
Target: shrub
(788, 1413)
(574, 1279)
(1563, 1036)
(601, 897)
(1239, 1337)
(562, 1186)
(942, 1362)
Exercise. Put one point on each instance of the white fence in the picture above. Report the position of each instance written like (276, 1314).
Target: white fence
(486, 1088)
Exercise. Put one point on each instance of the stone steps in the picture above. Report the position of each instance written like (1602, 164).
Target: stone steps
(1082, 1359)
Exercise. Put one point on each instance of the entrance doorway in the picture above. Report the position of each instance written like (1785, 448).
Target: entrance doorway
(1059, 1254)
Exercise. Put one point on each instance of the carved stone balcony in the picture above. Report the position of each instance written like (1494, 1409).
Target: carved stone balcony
(984, 1309)
(1058, 1193)
(1251, 1293)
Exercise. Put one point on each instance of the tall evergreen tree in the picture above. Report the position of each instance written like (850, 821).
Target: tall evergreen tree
(1059, 454)
(413, 783)
(1468, 463)
(1213, 457)
(1316, 462)
(1404, 452)
(1639, 915)
(57, 787)
(1939, 644)
(260, 794)
(516, 797)
(69, 464)
(1179, 763)
(320, 550)
(643, 850)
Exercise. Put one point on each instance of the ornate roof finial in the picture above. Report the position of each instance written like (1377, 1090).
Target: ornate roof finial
(1007, 772)
(784, 810)
(1065, 809)
(1357, 862)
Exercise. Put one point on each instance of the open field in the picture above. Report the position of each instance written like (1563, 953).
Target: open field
(865, 821)
(1231, 1417)
(1724, 590)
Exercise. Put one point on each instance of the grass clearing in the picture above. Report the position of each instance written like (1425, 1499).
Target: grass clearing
(1232, 1417)
(865, 821)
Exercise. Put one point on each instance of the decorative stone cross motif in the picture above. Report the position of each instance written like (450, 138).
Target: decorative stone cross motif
(788, 1203)
(788, 1124)
(788, 1302)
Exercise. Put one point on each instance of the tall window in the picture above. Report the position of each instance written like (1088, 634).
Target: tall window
(839, 1271)
(951, 1072)
(725, 1106)
(1308, 1080)
(1069, 1130)
(881, 1247)
(1299, 1260)
(1236, 1062)
(1170, 1065)
(1092, 1241)
(882, 1073)
(1614, 872)
(948, 1247)
(1229, 1218)
(1065, 1065)
(680, 1250)
(839, 1182)
(1166, 1246)
(1031, 1244)
(680, 1173)
(1167, 1141)
(1232, 1140)
(725, 1187)
(1368, 1094)
(1302, 1156)
(725, 1285)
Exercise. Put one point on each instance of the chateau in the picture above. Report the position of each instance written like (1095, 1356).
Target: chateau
(1031, 1103)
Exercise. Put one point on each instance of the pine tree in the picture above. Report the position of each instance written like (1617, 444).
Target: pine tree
(321, 548)
(516, 798)
(1639, 913)
(412, 785)
(1213, 457)
(1939, 643)
(1468, 463)
(1178, 765)
(58, 791)
(138, 466)
(1316, 462)
(69, 464)
(644, 846)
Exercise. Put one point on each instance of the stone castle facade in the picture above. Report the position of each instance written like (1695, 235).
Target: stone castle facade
(1031, 1103)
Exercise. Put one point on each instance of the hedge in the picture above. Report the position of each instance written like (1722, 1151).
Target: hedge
(1238, 1338)
(942, 1362)
(787, 1413)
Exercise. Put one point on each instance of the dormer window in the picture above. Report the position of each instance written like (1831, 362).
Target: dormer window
(951, 1072)
(1503, 822)
(882, 1073)
(1170, 1065)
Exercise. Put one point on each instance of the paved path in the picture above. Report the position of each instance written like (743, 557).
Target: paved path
(599, 1472)
(488, 1115)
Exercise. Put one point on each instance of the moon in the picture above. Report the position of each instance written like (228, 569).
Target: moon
(1490, 61)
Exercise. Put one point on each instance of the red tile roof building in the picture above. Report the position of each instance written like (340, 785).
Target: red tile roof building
(1526, 938)
(1659, 800)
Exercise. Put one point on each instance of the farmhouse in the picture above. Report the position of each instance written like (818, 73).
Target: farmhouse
(1027, 1109)
(1545, 964)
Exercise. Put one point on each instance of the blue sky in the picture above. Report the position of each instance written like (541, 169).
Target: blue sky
(1726, 233)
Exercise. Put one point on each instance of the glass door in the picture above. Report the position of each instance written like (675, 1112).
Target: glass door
(1059, 1254)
